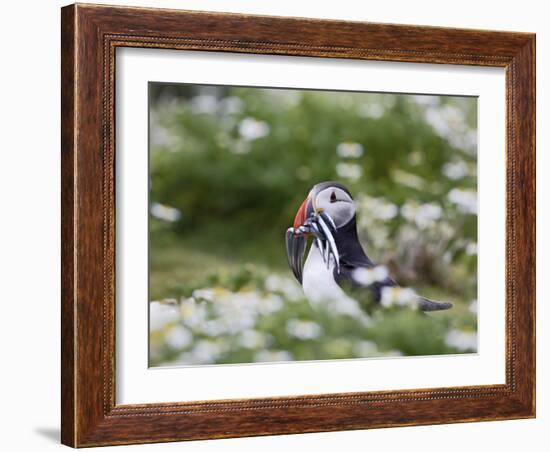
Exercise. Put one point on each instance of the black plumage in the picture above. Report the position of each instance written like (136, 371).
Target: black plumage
(353, 257)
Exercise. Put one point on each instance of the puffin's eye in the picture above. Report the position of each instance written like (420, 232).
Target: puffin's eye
(333, 197)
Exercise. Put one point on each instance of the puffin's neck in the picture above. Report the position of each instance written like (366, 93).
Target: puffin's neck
(347, 242)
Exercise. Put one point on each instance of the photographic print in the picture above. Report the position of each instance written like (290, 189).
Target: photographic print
(290, 225)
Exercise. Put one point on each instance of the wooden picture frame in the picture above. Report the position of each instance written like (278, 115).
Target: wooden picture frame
(90, 36)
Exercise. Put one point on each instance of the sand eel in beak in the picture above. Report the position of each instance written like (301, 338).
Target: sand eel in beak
(336, 257)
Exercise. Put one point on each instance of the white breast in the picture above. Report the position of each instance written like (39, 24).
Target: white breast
(319, 284)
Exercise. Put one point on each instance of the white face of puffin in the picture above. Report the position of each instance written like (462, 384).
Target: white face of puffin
(336, 203)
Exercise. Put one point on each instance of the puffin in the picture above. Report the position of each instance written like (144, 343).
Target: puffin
(336, 257)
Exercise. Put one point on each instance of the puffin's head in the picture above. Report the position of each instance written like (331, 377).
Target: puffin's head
(330, 197)
(328, 207)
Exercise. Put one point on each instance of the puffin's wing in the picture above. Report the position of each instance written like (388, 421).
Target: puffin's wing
(429, 305)
(345, 279)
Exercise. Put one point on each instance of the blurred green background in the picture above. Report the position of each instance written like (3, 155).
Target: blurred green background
(229, 167)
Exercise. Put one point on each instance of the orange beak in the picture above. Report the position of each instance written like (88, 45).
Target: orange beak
(302, 213)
